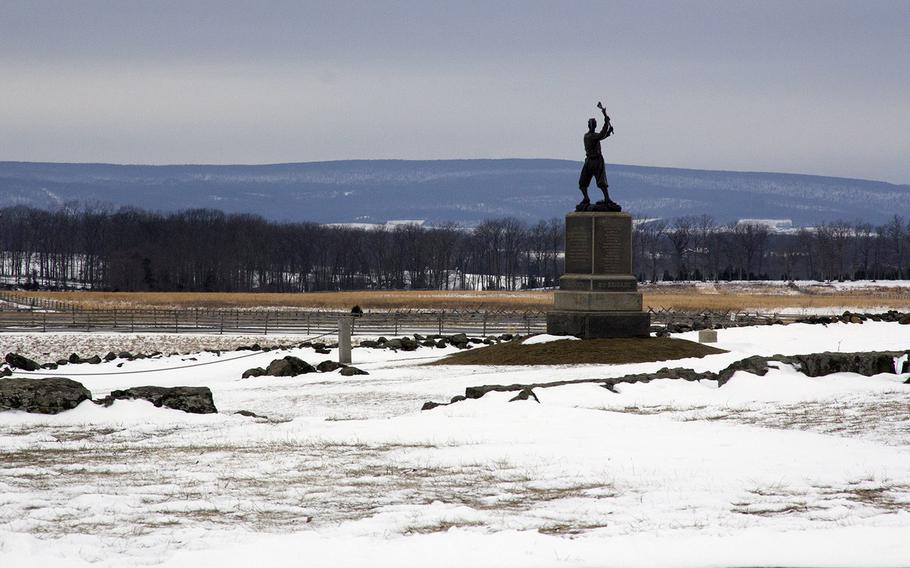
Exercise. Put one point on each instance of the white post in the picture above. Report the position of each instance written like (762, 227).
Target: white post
(344, 340)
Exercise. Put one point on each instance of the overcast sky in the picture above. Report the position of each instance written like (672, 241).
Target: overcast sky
(808, 87)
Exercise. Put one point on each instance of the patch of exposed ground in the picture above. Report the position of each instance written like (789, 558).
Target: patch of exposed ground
(592, 351)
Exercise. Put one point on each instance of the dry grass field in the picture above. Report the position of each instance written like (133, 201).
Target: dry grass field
(725, 296)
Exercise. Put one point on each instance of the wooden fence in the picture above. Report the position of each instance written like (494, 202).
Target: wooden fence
(27, 314)
(22, 314)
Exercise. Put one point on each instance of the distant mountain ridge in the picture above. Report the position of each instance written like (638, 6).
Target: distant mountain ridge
(462, 191)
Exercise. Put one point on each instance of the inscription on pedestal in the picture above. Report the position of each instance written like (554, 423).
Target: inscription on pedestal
(612, 236)
(578, 245)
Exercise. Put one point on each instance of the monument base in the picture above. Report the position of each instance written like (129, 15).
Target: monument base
(598, 296)
(599, 325)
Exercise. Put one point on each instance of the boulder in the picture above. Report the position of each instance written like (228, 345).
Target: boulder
(125, 355)
(430, 405)
(42, 396)
(458, 339)
(440, 343)
(821, 364)
(328, 366)
(369, 344)
(289, 367)
(351, 371)
(194, 400)
(254, 372)
(93, 360)
(62, 362)
(408, 344)
(75, 358)
(394, 344)
(904, 320)
(51, 366)
(17, 361)
(110, 356)
(5, 372)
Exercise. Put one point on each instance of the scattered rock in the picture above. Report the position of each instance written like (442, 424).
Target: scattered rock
(329, 366)
(62, 362)
(93, 360)
(6, 372)
(525, 394)
(254, 372)
(194, 400)
(17, 361)
(458, 339)
(289, 367)
(251, 414)
(51, 366)
(42, 396)
(125, 355)
(110, 356)
(904, 320)
(75, 359)
(351, 371)
(430, 405)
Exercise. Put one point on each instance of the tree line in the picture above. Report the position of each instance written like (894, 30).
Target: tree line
(209, 251)
(698, 248)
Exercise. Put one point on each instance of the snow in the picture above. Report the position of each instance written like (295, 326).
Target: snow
(546, 338)
(346, 471)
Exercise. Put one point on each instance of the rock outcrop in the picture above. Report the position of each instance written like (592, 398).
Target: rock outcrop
(194, 400)
(42, 396)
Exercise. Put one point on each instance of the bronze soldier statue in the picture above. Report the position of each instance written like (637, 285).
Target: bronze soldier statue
(594, 166)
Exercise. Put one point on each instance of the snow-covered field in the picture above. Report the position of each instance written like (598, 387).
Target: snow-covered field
(346, 471)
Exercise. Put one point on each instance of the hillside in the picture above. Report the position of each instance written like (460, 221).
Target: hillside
(463, 191)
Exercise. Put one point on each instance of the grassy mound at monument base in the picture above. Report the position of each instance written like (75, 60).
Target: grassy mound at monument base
(591, 351)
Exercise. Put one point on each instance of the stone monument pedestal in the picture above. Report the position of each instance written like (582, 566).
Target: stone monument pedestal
(598, 295)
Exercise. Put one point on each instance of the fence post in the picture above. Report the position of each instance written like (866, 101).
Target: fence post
(115, 320)
(344, 340)
(44, 324)
(221, 331)
(132, 322)
(485, 324)
(266, 323)
(308, 314)
(442, 316)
